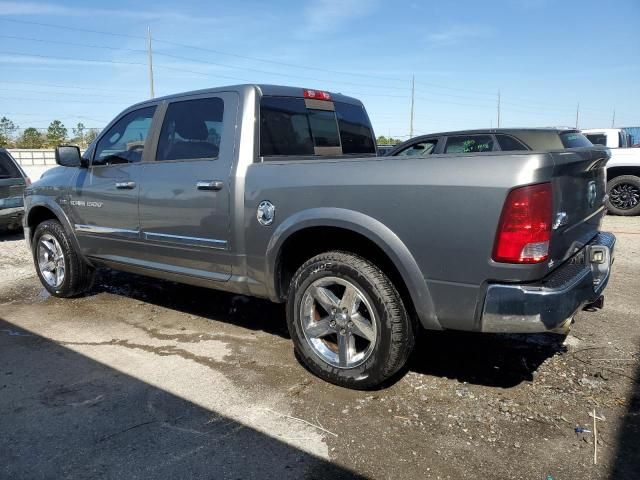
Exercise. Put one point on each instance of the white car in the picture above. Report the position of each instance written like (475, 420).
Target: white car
(623, 170)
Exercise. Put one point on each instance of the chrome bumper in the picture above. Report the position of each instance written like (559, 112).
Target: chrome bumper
(548, 305)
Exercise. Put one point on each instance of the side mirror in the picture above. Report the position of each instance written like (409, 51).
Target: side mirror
(69, 156)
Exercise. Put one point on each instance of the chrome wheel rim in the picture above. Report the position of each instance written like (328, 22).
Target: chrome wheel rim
(51, 260)
(338, 322)
(624, 196)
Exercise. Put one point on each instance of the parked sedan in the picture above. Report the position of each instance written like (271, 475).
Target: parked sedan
(491, 140)
(12, 184)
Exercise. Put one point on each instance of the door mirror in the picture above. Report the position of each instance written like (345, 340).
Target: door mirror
(69, 156)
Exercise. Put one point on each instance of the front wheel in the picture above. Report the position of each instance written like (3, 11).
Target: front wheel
(347, 321)
(624, 195)
(61, 270)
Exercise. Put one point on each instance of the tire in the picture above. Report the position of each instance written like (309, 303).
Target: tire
(624, 195)
(370, 335)
(53, 253)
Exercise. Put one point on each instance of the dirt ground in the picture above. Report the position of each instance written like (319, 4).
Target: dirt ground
(149, 379)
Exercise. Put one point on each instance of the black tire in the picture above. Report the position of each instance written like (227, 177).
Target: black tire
(630, 185)
(78, 277)
(394, 339)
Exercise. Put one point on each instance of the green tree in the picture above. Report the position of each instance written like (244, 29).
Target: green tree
(56, 133)
(79, 134)
(382, 140)
(7, 129)
(91, 135)
(30, 138)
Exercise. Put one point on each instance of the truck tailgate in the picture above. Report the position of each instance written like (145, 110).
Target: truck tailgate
(579, 186)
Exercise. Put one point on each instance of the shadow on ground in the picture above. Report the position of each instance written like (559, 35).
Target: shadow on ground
(78, 418)
(11, 235)
(485, 359)
(627, 459)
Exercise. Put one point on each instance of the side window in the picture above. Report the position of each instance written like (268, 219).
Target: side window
(510, 144)
(8, 169)
(124, 141)
(469, 144)
(192, 129)
(597, 138)
(421, 149)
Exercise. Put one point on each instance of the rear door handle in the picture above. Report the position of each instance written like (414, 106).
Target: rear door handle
(125, 185)
(214, 185)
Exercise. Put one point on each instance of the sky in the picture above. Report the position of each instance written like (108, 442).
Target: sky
(85, 61)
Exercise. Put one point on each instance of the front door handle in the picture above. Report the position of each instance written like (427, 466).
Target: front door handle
(125, 185)
(209, 185)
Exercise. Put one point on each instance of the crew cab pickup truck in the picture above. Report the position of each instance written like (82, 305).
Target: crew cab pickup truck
(623, 169)
(277, 192)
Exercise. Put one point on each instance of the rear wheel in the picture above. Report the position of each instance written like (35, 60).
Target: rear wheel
(624, 195)
(61, 270)
(347, 321)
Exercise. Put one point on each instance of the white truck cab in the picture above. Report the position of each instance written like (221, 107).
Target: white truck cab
(623, 169)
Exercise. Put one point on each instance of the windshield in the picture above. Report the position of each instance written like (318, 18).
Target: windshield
(574, 140)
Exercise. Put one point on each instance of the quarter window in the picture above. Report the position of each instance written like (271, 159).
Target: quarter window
(469, 144)
(192, 129)
(124, 141)
(509, 144)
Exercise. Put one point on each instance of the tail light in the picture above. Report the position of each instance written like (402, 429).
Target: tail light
(317, 95)
(27, 181)
(524, 230)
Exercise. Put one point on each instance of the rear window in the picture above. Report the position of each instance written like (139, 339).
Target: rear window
(574, 140)
(8, 169)
(289, 127)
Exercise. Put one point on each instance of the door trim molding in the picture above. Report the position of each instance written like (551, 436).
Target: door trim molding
(183, 240)
(97, 230)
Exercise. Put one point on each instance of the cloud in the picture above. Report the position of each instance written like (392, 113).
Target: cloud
(323, 16)
(458, 33)
(13, 8)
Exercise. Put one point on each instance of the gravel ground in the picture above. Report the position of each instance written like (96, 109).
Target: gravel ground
(148, 379)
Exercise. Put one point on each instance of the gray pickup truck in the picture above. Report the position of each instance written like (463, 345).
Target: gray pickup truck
(277, 192)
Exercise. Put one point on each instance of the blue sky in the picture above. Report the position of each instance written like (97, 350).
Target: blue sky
(543, 56)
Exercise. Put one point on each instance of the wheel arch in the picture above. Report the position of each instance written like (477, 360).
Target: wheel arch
(41, 211)
(613, 172)
(323, 229)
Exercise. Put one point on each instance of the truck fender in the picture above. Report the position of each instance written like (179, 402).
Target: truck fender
(369, 227)
(36, 201)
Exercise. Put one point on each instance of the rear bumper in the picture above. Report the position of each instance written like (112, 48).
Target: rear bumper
(549, 304)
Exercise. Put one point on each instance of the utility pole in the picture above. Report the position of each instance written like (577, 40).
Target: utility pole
(613, 120)
(577, 114)
(498, 108)
(413, 91)
(150, 62)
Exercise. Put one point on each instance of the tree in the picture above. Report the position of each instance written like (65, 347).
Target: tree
(382, 140)
(30, 138)
(7, 128)
(78, 134)
(56, 133)
(91, 135)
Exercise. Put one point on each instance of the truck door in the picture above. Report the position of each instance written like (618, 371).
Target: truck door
(184, 201)
(103, 198)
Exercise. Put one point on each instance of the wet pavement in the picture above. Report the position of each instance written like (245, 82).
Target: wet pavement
(149, 379)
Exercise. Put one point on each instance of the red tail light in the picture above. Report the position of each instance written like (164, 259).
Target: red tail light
(27, 181)
(317, 95)
(525, 225)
